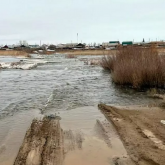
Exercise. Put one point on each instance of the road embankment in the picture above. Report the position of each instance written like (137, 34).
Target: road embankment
(141, 130)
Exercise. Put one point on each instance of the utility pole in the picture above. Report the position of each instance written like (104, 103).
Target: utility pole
(77, 38)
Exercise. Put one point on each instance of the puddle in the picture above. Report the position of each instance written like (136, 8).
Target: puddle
(12, 132)
(99, 146)
(94, 152)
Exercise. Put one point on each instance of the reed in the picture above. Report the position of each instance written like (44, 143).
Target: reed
(136, 67)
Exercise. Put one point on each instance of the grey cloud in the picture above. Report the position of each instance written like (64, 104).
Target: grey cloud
(95, 21)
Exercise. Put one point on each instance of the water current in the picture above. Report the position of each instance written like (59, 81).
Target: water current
(58, 85)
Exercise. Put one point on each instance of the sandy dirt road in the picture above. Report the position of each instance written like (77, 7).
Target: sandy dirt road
(142, 131)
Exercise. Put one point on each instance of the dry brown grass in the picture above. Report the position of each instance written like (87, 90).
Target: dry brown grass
(85, 52)
(13, 53)
(136, 67)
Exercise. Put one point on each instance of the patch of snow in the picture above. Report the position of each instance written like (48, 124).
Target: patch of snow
(18, 65)
(162, 121)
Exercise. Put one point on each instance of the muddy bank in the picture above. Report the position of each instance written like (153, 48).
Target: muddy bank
(86, 52)
(13, 53)
(142, 132)
(43, 143)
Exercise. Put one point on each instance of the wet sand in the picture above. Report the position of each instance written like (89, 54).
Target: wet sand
(12, 134)
(141, 130)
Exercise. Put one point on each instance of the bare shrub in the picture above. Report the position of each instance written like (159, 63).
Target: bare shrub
(107, 62)
(94, 61)
(70, 56)
(136, 67)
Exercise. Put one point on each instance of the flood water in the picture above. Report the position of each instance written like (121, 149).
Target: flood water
(62, 86)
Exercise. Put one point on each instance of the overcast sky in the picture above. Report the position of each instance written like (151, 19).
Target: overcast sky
(53, 21)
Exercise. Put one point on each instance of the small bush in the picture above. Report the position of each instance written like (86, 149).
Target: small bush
(136, 67)
(70, 56)
(107, 62)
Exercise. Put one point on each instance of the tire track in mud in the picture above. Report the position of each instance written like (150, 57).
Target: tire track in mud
(43, 144)
(141, 130)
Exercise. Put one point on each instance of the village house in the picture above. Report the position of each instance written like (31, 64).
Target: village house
(34, 46)
(110, 44)
(60, 46)
(127, 43)
(51, 47)
(6, 47)
(21, 47)
(71, 45)
(80, 46)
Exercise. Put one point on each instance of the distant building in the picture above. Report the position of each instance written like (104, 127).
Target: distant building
(34, 46)
(52, 47)
(140, 43)
(111, 44)
(21, 47)
(114, 42)
(105, 44)
(80, 46)
(126, 43)
(61, 46)
(4, 47)
(71, 45)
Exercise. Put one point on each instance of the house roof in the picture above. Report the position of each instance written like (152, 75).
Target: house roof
(22, 46)
(80, 44)
(5, 46)
(114, 42)
(127, 42)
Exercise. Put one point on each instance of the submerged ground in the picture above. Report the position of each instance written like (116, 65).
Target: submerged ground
(66, 87)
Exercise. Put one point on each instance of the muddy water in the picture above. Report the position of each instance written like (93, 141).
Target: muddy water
(97, 146)
(61, 86)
